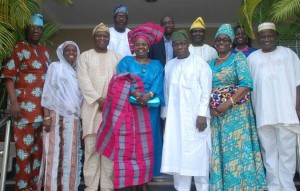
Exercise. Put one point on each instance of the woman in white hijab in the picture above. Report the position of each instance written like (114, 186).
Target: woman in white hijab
(61, 101)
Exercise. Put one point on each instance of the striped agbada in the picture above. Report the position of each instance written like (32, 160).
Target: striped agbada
(125, 135)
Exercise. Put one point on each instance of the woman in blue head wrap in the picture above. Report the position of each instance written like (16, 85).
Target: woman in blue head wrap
(236, 162)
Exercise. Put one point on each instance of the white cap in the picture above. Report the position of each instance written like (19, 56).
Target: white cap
(266, 25)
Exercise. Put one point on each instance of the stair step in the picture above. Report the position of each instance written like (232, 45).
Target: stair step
(153, 183)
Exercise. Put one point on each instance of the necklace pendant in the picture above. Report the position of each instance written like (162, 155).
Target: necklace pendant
(143, 68)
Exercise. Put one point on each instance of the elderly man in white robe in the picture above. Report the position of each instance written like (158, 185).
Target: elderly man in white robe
(118, 33)
(187, 138)
(197, 32)
(95, 69)
(276, 100)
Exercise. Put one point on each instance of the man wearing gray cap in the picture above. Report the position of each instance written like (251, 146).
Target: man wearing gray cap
(118, 41)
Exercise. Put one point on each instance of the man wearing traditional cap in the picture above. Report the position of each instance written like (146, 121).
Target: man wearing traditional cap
(24, 75)
(118, 41)
(276, 100)
(163, 51)
(198, 47)
(95, 69)
(187, 138)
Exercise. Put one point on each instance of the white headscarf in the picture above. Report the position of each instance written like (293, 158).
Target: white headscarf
(61, 91)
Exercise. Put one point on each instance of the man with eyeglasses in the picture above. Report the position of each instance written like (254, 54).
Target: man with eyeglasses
(163, 51)
(198, 47)
(187, 139)
(118, 41)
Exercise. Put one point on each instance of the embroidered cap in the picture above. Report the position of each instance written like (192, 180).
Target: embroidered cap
(180, 35)
(120, 9)
(100, 28)
(266, 25)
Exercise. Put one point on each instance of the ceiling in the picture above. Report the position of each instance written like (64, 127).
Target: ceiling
(87, 13)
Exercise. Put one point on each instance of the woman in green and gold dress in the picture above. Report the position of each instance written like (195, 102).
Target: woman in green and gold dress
(236, 162)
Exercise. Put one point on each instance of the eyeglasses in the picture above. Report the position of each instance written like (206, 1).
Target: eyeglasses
(121, 16)
(223, 39)
(177, 44)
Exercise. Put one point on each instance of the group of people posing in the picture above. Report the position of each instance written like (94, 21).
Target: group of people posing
(145, 101)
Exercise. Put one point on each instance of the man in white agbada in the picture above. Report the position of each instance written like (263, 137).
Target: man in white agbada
(276, 100)
(187, 138)
(95, 70)
(118, 41)
(198, 47)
